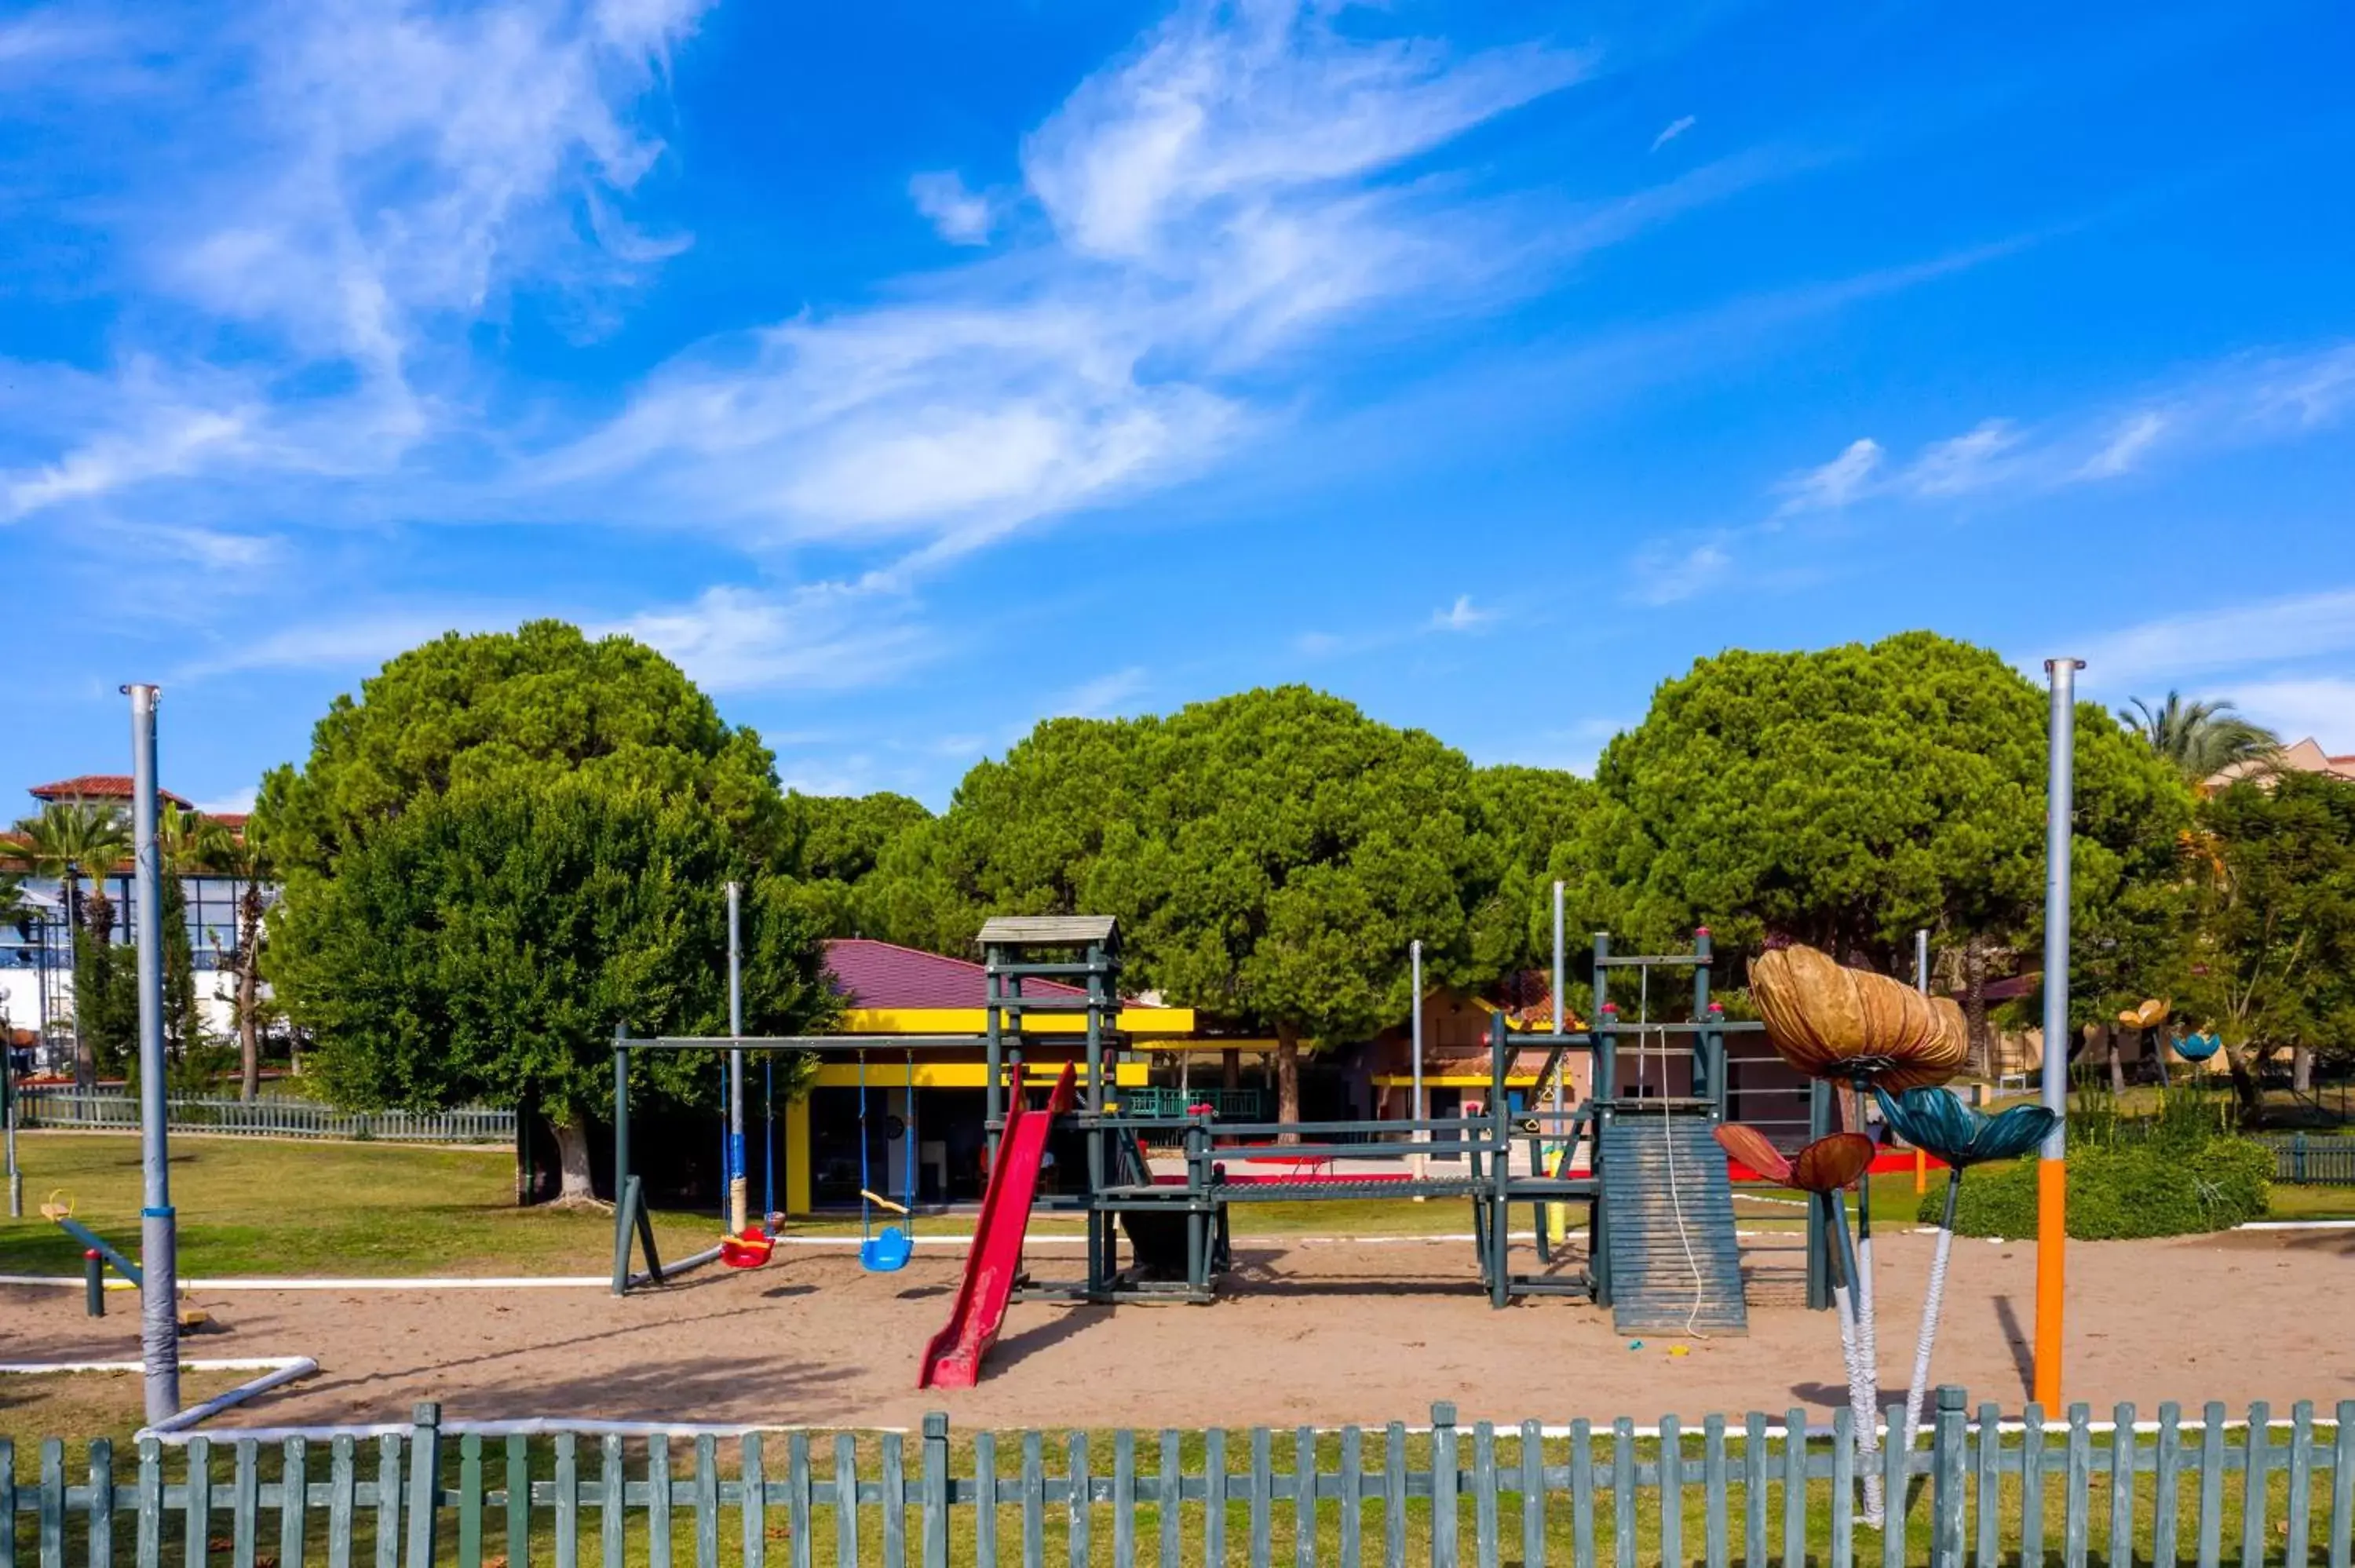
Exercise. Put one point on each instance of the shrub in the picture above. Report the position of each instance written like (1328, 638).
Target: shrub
(2122, 1193)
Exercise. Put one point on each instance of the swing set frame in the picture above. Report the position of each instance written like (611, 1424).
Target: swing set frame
(634, 1235)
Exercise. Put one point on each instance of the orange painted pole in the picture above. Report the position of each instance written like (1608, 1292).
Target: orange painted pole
(2051, 1276)
(1920, 1171)
(2051, 1172)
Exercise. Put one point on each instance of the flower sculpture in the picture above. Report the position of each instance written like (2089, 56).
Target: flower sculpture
(1939, 1122)
(1821, 1170)
(1851, 1026)
(1832, 1021)
(2144, 1018)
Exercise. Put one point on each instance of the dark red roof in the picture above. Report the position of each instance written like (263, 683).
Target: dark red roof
(883, 974)
(97, 786)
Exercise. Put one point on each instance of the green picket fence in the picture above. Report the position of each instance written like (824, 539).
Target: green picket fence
(1975, 1492)
(2305, 1159)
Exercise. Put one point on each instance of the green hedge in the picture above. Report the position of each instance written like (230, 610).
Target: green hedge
(2116, 1194)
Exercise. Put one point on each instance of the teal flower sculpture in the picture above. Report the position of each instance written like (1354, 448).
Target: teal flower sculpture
(1939, 1122)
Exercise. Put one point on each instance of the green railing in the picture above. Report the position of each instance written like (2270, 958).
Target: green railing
(1977, 1491)
(44, 1107)
(1226, 1104)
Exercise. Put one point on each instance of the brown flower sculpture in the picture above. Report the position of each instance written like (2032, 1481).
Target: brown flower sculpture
(1832, 1021)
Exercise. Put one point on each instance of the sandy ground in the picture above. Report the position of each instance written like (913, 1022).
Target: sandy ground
(1312, 1332)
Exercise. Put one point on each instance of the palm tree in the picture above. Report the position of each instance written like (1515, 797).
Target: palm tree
(246, 857)
(2200, 738)
(68, 841)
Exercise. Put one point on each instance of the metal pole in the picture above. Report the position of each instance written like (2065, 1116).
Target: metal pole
(159, 1322)
(737, 1220)
(1414, 1046)
(2051, 1169)
(1561, 1008)
(1922, 961)
(8, 1093)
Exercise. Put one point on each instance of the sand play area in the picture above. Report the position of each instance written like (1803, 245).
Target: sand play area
(1311, 1331)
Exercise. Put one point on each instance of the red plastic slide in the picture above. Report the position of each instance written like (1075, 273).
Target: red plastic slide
(953, 1356)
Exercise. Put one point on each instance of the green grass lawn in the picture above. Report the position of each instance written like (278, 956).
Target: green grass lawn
(259, 1207)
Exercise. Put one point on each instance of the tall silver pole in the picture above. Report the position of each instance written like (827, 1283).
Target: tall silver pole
(2051, 1172)
(738, 1222)
(1561, 1013)
(2060, 804)
(1414, 1046)
(1922, 961)
(159, 1322)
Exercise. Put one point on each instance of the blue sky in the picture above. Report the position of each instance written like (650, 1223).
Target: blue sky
(914, 371)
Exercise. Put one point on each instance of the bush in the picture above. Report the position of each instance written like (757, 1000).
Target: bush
(2122, 1193)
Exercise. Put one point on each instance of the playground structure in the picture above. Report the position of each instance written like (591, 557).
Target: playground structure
(1635, 1158)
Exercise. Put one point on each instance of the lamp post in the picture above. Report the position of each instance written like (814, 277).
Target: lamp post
(159, 1320)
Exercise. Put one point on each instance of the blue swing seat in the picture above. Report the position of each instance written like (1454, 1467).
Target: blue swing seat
(887, 1251)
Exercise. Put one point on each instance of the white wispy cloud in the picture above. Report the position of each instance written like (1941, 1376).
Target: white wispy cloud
(1461, 616)
(1960, 465)
(2125, 449)
(355, 642)
(2322, 707)
(1221, 192)
(2243, 401)
(1835, 483)
(1102, 697)
(1670, 573)
(961, 216)
(374, 176)
(1672, 129)
(824, 637)
(2272, 631)
(235, 803)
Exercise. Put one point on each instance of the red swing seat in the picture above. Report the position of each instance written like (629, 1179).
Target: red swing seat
(749, 1250)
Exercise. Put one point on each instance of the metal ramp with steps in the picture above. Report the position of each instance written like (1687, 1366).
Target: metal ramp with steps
(1667, 1278)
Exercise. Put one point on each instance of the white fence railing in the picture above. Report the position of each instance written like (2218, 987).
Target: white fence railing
(43, 1107)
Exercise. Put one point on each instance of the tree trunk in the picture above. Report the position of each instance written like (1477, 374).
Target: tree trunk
(1975, 1009)
(1230, 1069)
(1287, 1078)
(2301, 1069)
(574, 1189)
(2117, 1063)
(2246, 1087)
(249, 1027)
(248, 988)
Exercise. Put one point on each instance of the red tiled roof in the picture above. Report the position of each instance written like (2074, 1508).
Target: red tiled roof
(1528, 1001)
(883, 974)
(97, 786)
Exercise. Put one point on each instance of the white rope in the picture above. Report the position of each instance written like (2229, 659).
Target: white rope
(1868, 1334)
(1669, 1144)
(1859, 1403)
(1919, 1389)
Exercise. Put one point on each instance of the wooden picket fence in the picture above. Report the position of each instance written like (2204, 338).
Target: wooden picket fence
(1975, 1492)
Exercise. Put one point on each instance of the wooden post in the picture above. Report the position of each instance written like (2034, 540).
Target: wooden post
(424, 1482)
